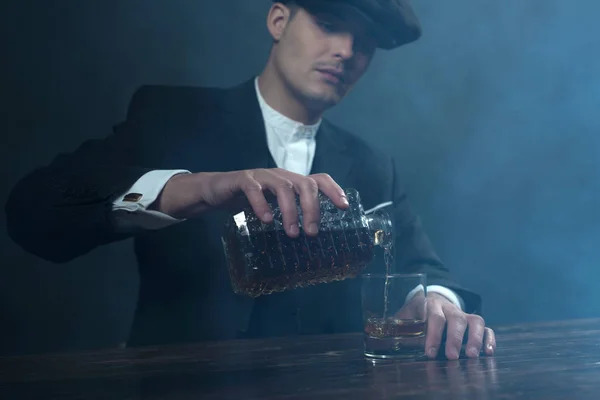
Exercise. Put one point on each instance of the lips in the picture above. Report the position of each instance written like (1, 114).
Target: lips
(331, 74)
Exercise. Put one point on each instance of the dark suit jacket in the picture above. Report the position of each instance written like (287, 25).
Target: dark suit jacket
(63, 210)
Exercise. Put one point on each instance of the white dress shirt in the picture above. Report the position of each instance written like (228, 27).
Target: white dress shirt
(292, 146)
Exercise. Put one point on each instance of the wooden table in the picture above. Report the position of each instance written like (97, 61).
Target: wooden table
(547, 361)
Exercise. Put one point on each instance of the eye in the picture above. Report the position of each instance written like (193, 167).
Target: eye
(325, 25)
(365, 45)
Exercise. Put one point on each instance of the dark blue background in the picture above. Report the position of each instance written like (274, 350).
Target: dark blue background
(493, 116)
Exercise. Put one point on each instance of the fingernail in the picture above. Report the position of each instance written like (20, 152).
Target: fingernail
(431, 352)
(268, 216)
(472, 352)
(294, 230)
(490, 347)
(313, 228)
(345, 200)
(452, 355)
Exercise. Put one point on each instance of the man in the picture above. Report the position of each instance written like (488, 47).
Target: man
(183, 154)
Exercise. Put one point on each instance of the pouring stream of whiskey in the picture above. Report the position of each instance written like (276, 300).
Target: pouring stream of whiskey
(388, 258)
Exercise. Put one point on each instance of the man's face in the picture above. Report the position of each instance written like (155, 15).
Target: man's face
(320, 57)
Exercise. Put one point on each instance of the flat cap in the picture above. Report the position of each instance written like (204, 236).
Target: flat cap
(393, 21)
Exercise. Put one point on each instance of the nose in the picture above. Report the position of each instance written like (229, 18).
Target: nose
(343, 46)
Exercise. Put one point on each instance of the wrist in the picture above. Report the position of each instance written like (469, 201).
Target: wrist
(439, 296)
(176, 196)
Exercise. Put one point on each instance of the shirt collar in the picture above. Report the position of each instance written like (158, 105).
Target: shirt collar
(287, 128)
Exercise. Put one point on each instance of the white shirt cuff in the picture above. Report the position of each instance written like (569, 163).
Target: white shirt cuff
(444, 291)
(131, 208)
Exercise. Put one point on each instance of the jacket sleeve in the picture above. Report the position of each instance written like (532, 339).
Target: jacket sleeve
(62, 210)
(414, 253)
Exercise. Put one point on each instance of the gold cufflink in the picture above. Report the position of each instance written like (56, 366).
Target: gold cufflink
(132, 197)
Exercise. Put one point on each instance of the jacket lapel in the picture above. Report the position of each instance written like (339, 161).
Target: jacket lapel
(332, 156)
(245, 128)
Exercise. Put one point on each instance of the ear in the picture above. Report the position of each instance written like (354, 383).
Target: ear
(277, 20)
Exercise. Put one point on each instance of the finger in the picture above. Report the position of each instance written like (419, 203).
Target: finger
(331, 189)
(436, 322)
(253, 191)
(475, 339)
(489, 342)
(456, 327)
(406, 312)
(419, 302)
(283, 188)
(308, 189)
(415, 308)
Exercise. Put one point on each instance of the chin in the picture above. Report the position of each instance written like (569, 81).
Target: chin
(323, 102)
(327, 97)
